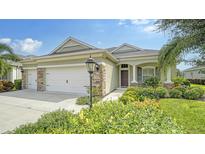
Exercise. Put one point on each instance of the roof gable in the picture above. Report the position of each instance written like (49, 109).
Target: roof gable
(126, 48)
(72, 45)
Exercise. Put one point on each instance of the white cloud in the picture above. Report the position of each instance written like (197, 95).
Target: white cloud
(122, 22)
(140, 21)
(5, 40)
(28, 45)
(150, 28)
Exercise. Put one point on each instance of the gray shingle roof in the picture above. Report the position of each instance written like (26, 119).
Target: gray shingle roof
(135, 53)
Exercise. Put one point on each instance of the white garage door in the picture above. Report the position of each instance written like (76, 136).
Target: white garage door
(32, 79)
(67, 79)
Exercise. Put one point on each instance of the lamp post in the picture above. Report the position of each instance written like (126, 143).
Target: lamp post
(91, 65)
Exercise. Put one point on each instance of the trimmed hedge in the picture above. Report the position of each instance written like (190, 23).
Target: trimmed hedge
(186, 92)
(191, 94)
(141, 93)
(105, 118)
(18, 84)
(175, 93)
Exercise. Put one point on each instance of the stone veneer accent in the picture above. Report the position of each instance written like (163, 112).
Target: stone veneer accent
(25, 79)
(99, 80)
(169, 85)
(41, 81)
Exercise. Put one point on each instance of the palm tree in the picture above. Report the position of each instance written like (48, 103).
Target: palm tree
(186, 36)
(6, 54)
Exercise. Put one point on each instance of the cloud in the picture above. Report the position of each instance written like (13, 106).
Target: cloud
(135, 22)
(28, 45)
(139, 21)
(122, 22)
(150, 28)
(5, 40)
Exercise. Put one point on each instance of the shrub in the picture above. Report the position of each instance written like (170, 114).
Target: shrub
(85, 100)
(138, 94)
(6, 85)
(148, 93)
(175, 93)
(105, 118)
(161, 92)
(18, 84)
(192, 93)
(1, 87)
(152, 81)
(199, 89)
(130, 95)
(181, 88)
(180, 81)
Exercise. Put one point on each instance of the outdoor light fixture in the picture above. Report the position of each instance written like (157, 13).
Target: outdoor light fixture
(91, 65)
(21, 69)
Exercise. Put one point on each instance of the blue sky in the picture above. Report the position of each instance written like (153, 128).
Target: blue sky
(39, 37)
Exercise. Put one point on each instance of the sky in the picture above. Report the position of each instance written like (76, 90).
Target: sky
(40, 37)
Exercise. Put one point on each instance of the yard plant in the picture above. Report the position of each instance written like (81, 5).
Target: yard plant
(106, 118)
(6, 85)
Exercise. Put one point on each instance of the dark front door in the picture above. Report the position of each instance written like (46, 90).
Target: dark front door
(124, 78)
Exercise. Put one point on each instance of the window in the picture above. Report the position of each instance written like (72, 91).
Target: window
(147, 73)
(124, 66)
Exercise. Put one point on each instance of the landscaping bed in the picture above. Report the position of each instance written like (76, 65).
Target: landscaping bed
(140, 110)
(106, 118)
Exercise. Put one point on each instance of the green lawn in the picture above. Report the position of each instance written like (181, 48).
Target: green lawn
(190, 114)
(198, 85)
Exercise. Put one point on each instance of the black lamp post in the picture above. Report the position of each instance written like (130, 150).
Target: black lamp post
(91, 65)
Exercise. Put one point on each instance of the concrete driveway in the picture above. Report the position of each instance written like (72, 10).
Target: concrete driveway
(21, 107)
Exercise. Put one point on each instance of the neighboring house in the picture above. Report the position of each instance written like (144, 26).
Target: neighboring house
(197, 72)
(64, 68)
(14, 73)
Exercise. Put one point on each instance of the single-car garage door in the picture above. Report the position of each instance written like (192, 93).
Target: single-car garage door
(32, 79)
(67, 79)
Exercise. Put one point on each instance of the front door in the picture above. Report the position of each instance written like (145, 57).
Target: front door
(124, 78)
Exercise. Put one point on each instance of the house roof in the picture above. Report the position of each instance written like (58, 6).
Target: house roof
(74, 46)
(194, 68)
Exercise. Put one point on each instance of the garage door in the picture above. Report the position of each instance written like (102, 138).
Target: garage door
(32, 79)
(67, 79)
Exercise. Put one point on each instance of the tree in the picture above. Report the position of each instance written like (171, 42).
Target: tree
(186, 36)
(6, 54)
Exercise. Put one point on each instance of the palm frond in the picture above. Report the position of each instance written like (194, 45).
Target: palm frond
(4, 68)
(5, 47)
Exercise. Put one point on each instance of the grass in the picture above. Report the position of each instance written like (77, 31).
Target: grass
(198, 85)
(190, 114)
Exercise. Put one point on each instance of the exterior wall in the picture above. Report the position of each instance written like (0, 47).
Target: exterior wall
(111, 76)
(25, 79)
(194, 74)
(41, 79)
(15, 73)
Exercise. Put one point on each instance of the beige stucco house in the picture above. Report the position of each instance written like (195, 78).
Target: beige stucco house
(196, 72)
(64, 68)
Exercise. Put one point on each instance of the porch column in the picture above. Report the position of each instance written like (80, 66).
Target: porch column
(134, 74)
(169, 75)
